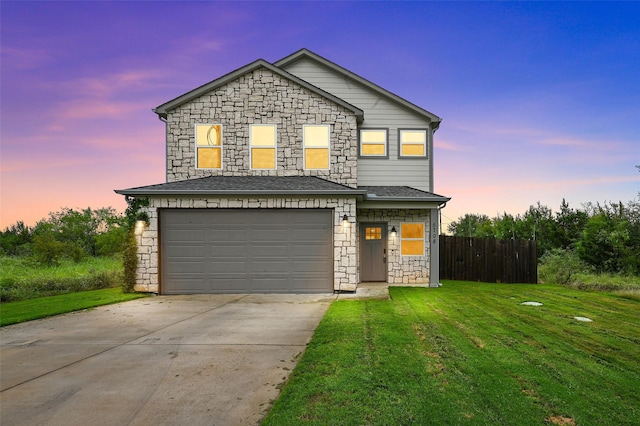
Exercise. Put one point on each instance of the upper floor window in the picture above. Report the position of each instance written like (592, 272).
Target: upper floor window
(315, 141)
(208, 146)
(262, 139)
(373, 143)
(413, 143)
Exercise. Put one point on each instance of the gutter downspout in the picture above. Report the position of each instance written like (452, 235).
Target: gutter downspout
(434, 267)
(166, 145)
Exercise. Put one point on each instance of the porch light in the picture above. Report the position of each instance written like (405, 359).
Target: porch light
(140, 225)
(345, 218)
(393, 231)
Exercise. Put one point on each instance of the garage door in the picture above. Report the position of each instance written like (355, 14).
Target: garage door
(244, 251)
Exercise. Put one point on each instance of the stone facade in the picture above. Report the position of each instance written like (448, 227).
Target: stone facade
(345, 273)
(401, 269)
(262, 97)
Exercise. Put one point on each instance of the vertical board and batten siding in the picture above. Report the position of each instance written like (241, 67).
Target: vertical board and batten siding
(379, 112)
(488, 260)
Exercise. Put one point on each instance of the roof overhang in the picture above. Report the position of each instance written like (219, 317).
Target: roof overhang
(141, 192)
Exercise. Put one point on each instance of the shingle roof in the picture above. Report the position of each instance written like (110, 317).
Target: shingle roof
(262, 185)
(401, 193)
(281, 185)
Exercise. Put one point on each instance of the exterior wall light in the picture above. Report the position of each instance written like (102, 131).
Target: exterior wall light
(140, 225)
(345, 218)
(393, 231)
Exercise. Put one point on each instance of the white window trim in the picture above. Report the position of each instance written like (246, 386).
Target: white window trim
(304, 145)
(423, 239)
(275, 147)
(386, 143)
(425, 144)
(195, 143)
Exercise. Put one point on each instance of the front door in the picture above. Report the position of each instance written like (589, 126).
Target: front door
(373, 252)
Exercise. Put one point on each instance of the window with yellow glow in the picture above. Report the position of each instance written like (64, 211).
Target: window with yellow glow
(262, 139)
(413, 143)
(412, 239)
(208, 146)
(373, 233)
(373, 143)
(315, 141)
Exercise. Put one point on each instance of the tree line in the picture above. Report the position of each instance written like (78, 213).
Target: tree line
(68, 233)
(604, 237)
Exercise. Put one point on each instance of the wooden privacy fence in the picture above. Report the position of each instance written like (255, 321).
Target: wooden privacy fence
(488, 260)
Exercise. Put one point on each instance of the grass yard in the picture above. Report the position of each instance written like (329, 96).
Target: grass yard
(41, 307)
(470, 353)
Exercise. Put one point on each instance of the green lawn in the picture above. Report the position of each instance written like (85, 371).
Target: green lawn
(470, 353)
(27, 310)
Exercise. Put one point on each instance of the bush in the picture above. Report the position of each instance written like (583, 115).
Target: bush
(130, 262)
(559, 266)
(47, 249)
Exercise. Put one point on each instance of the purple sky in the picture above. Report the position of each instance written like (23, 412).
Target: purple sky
(540, 101)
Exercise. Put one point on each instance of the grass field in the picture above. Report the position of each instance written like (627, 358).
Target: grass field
(470, 353)
(22, 278)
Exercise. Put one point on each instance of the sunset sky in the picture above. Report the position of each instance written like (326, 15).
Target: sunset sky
(540, 101)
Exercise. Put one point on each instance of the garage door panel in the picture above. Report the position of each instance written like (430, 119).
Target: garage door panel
(240, 251)
(229, 251)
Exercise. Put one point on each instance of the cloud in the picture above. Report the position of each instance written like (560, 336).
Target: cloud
(446, 145)
(25, 59)
(97, 108)
(107, 85)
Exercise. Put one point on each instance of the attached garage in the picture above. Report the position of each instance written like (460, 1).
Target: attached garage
(246, 251)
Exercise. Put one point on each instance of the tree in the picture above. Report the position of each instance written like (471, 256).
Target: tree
(471, 225)
(16, 240)
(610, 239)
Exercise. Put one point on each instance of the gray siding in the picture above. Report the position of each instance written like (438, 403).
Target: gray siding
(378, 112)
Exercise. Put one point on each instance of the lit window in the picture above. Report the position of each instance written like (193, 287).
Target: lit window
(412, 239)
(262, 138)
(413, 143)
(373, 233)
(315, 140)
(208, 146)
(373, 142)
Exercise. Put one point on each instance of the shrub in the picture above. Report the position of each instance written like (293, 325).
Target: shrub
(47, 249)
(130, 261)
(559, 266)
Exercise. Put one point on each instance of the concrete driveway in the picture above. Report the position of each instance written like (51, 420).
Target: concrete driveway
(164, 360)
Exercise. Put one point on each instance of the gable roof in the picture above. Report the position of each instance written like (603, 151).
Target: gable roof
(233, 75)
(307, 54)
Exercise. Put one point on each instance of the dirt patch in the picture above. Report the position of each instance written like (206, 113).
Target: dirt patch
(561, 420)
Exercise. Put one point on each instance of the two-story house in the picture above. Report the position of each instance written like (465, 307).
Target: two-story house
(296, 176)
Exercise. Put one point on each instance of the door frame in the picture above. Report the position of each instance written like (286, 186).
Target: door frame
(385, 249)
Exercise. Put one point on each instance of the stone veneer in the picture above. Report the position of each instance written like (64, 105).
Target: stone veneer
(402, 269)
(262, 97)
(345, 273)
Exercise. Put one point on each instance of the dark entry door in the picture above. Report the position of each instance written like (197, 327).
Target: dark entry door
(373, 252)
